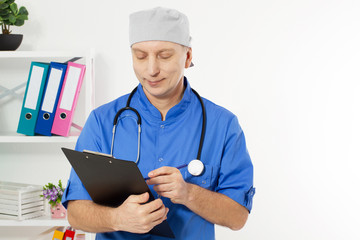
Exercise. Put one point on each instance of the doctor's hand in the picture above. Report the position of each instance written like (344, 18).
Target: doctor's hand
(137, 216)
(168, 182)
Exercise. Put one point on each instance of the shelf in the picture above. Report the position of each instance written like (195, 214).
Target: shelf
(41, 54)
(18, 138)
(46, 221)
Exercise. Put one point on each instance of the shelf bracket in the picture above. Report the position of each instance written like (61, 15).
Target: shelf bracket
(78, 127)
(73, 59)
(12, 91)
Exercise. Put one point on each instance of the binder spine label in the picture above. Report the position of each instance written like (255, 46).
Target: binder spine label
(70, 88)
(34, 87)
(51, 90)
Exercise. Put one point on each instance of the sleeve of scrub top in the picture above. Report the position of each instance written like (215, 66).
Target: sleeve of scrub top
(88, 140)
(236, 170)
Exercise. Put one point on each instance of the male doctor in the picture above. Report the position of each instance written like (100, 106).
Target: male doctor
(171, 128)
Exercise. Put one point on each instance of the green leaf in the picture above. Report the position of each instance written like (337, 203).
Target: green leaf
(2, 1)
(10, 1)
(19, 22)
(4, 12)
(14, 8)
(6, 17)
(22, 17)
(4, 6)
(23, 11)
(7, 22)
(12, 18)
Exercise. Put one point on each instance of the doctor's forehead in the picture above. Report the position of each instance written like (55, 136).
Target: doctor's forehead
(156, 46)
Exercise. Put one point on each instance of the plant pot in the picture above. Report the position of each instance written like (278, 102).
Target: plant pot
(58, 211)
(10, 42)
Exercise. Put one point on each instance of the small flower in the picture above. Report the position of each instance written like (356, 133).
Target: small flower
(45, 193)
(53, 193)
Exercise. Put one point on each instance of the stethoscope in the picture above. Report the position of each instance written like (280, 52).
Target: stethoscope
(195, 167)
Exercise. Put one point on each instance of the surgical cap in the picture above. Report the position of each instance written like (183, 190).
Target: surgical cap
(160, 24)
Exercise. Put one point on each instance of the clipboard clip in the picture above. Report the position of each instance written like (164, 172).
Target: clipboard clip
(98, 153)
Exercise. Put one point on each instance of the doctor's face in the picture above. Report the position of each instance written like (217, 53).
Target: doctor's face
(159, 66)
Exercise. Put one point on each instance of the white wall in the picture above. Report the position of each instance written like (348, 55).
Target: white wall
(288, 69)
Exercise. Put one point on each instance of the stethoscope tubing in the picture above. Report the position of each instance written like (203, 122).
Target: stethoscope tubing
(203, 125)
(127, 107)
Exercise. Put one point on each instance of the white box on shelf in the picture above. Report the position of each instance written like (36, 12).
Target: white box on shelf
(20, 201)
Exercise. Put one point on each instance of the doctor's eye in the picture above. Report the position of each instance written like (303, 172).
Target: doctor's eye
(140, 56)
(165, 56)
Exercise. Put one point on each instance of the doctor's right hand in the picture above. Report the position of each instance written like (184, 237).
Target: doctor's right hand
(137, 216)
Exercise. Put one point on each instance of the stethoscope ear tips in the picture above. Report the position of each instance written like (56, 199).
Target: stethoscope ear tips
(196, 167)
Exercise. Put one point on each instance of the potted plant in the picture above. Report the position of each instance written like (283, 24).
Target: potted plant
(11, 15)
(54, 194)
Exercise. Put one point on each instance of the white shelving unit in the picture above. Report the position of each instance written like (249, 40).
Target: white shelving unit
(88, 84)
(44, 221)
(17, 138)
(8, 133)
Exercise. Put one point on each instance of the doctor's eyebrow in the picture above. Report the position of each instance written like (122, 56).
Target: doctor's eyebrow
(160, 51)
(137, 50)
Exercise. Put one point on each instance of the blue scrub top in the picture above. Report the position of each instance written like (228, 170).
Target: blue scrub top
(173, 142)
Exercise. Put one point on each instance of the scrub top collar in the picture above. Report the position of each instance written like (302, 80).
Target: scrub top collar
(154, 115)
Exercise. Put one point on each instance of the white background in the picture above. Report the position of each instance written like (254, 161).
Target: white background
(288, 69)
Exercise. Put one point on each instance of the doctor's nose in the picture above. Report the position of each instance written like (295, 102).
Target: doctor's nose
(153, 67)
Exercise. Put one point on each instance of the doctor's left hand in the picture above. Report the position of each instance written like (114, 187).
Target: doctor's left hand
(168, 182)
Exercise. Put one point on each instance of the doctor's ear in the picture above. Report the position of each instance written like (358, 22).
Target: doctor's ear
(188, 57)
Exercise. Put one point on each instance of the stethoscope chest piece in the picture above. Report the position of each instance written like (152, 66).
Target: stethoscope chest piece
(196, 167)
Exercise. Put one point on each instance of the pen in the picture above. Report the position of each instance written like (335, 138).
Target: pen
(179, 167)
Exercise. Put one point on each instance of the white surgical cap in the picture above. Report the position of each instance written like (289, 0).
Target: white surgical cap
(160, 24)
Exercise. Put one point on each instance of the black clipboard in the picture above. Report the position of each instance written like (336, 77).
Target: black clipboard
(110, 181)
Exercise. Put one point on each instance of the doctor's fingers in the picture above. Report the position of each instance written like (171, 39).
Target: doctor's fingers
(151, 206)
(163, 171)
(153, 219)
(167, 187)
(159, 216)
(141, 198)
(163, 179)
(160, 180)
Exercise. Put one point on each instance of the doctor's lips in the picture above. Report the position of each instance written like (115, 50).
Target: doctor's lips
(153, 83)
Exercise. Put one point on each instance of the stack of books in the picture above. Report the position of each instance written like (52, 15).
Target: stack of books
(20, 201)
(50, 99)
